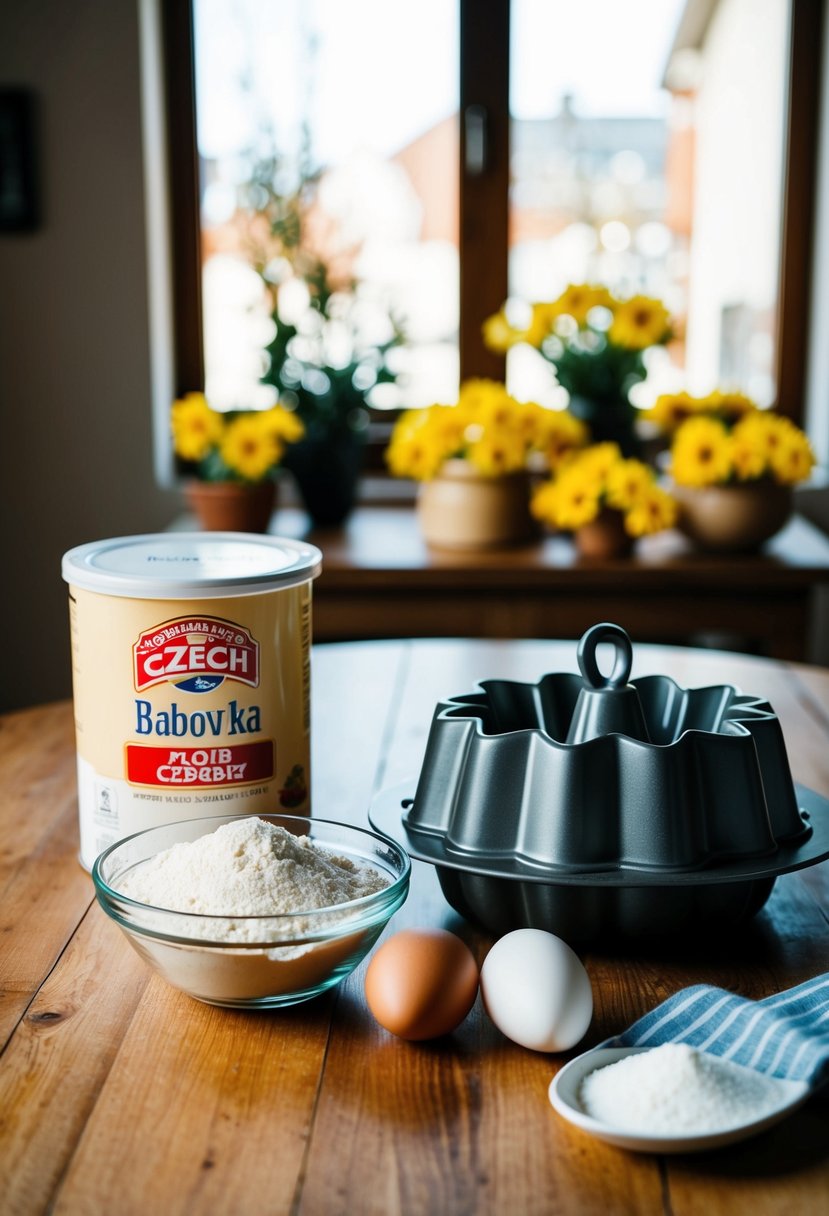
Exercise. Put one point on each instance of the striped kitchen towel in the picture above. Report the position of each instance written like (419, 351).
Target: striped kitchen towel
(786, 1035)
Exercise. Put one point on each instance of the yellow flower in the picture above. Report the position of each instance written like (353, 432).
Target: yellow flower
(596, 462)
(446, 424)
(422, 440)
(576, 301)
(729, 406)
(576, 500)
(541, 325)
(250, 447)
(283, 424)
(627, 482)
(497, 414)
(653, 511)
(495, 454)
(416, 457)
(543, 504)
(701, 455)
(600, 478)
(794, 459)
(196, 427)
(748, 456)
(540, 423)
(671, 409)
(526, 420)
(558, 433)
(479, 394)
(766, 431)
(491, 430)
(499, 335)
(639, 322)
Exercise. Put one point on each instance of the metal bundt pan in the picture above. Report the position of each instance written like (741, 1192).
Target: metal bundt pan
(593, 808)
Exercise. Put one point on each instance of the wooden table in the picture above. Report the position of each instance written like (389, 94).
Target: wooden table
(380, 580)
(119, 1095)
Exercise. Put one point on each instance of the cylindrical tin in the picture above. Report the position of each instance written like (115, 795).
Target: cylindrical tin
(191, 675)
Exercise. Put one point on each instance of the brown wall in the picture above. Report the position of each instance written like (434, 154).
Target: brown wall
(75, 429)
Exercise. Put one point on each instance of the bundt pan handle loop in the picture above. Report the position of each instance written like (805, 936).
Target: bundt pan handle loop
(607, 705)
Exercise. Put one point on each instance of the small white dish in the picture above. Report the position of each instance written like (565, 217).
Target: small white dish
(564, 1095)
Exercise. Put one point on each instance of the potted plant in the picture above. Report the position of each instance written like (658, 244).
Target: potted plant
(596, 342)
(605, 499)
(733, 467)
(473, 461)
(231, 459)
(330, 347)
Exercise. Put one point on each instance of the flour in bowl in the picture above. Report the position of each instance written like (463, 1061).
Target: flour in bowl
(675, 1090)
(250, 868)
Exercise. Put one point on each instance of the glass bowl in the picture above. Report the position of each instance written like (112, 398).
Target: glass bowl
(284, 959)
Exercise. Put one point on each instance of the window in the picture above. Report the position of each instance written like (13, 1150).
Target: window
(632, 158)
(314, 119)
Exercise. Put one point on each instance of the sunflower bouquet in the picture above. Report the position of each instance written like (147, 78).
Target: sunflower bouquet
(488, 428)
(596, 342)
(239, 445)
(725, 439)
(601, 481)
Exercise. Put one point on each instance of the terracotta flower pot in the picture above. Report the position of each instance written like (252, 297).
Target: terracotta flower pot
(735, 518)
(463, 509)
(605, 536)
(231, 506)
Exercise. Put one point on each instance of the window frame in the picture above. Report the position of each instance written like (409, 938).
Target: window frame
(800, 185)
(484, 195)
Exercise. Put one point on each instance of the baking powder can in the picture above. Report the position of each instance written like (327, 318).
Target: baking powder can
(191, 678)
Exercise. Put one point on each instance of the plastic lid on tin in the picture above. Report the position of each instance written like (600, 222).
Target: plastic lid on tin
(190, 565)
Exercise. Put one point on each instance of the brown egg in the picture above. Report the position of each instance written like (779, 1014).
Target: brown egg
(421, 983)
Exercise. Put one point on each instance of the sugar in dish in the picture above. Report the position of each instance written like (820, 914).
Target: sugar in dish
(669, 1099)
(676, 1090)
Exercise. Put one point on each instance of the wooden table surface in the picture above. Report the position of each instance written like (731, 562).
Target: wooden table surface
(120, 1095)
(381, 580)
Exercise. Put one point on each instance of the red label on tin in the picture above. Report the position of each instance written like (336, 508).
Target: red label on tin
(196, 653)
(200, 766)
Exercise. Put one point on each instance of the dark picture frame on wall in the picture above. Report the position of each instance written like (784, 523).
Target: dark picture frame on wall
(19, 203)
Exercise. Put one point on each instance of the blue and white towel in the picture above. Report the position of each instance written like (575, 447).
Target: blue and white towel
(786, 1035)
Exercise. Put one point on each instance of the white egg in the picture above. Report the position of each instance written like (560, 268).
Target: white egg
(536, 990)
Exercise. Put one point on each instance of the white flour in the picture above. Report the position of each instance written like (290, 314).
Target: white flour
(674, 1089)
(249, 868)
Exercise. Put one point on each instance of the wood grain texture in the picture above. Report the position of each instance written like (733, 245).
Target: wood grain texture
(37, 760)
(119, 1094)
(205, 1111)
(39, 874)
(53, 1069)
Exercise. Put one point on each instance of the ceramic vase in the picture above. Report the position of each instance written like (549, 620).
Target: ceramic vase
(463, 509)
(326, 466)
(734, 518)
(605, 536)
(231, 506)
(610, 419)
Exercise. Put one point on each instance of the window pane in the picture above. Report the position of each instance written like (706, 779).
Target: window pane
(647, 155)
(346, 116)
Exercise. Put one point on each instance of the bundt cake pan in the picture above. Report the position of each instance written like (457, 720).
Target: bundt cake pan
(588, 806)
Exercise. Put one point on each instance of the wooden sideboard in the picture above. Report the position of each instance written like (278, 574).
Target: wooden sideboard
(380, 580)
